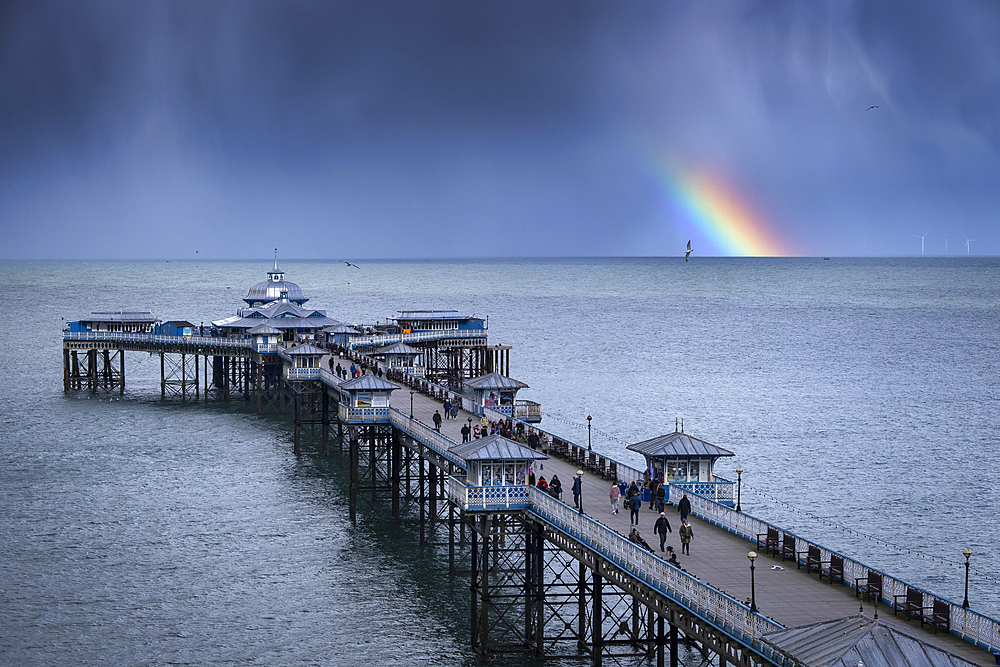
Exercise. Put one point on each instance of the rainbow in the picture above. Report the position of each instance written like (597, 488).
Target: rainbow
(719, 218)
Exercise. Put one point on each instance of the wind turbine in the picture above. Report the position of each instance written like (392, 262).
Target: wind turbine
(967, 242)
(922, 241)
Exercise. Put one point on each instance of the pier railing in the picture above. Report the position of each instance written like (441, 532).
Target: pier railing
(709, 603)
(216, 341)
(414, 337)
(367, 415)
(721, 490)
(437, 442)
(970, 625)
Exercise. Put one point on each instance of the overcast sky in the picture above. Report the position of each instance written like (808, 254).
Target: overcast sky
(475, 128)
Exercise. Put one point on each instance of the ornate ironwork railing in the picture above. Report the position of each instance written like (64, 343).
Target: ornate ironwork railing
(970, 625)
(303, 373)
(365, 415)
(721, 490)
(415, 337)
(488, 498)
(437, 442)
(217, 341)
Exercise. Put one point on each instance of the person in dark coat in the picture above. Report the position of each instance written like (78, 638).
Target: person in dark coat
(661, 528)
(555, 487)
(661, 497)
(437, 421)
(634, 504)
(687, 534)
(684, 507)
(577, 489)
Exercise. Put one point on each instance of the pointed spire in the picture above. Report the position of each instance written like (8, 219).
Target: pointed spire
(275, 259)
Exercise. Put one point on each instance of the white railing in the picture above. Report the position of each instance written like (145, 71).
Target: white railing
(495, 413)
(227, 341)
(414, 337)
(366, 415)
(971, 626)
(721, 490)
(483, 498)
(302, 373)
(430, 438)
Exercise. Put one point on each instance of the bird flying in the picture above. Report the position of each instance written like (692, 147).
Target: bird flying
(873, 107)
(349, 264)
(689, 251)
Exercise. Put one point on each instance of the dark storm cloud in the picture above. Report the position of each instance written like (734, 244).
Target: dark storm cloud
(440, 124)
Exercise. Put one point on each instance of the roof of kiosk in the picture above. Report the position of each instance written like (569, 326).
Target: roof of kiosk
(859, 639)
(679, 445)
(340, 328)
(263, 329)
(369, 383)
(496, 448)
(397, 348)
(494, 381)
(306, 348)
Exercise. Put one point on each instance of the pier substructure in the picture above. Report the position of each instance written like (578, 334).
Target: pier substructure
(448, 362)
(94, 369)
(179, 375)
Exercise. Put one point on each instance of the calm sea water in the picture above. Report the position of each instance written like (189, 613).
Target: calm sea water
(860, 396)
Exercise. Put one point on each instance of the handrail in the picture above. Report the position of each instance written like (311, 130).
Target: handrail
(218, 341)
(414, 336)
(972, 626)
(437, 442)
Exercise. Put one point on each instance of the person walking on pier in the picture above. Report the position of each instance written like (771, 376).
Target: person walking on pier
(616, 494)
(466, 432)
(661, 528)
(447, 408)
(687, 534)
(684, 507)
(577, 489)
(437, 421)
(634, 504)
(661, 497)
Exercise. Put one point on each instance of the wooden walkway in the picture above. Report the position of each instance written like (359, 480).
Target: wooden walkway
(785, 594)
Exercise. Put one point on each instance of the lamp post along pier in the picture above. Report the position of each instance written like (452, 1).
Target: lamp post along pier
(753, 590)
(739, 489)
(588, 433)
(967, 553)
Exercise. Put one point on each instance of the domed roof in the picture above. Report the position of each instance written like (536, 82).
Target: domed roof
(274, 289)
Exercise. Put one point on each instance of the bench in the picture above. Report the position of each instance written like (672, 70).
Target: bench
(788, 547)
(812, 560)
(939, 616)
(870, 586)
(912, 603)
(771, 543)
(834, 568)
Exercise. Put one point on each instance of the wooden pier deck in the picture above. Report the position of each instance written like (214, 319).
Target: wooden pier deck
(786, 594)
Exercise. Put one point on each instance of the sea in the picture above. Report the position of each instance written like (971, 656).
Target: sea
(860, 396)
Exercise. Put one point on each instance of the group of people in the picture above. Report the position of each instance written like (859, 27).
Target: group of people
(633, 502)
(355, 371)
(553, 487)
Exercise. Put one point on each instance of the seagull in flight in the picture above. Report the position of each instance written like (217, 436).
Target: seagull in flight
(689, 251)
(873, 107)
(349, 264)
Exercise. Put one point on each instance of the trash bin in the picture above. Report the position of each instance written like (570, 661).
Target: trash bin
(645, 495)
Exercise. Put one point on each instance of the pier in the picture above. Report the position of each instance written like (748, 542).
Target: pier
(546, 578)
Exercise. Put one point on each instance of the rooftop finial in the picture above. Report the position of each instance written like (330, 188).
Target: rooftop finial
(275, 259)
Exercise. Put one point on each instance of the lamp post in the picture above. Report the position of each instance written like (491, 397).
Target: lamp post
(588, 432)
(411, 404)
(579, 476)
(739, 488)
(753, 592)
(967, 553)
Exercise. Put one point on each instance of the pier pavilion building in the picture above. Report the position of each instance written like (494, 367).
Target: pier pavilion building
(275, 288)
